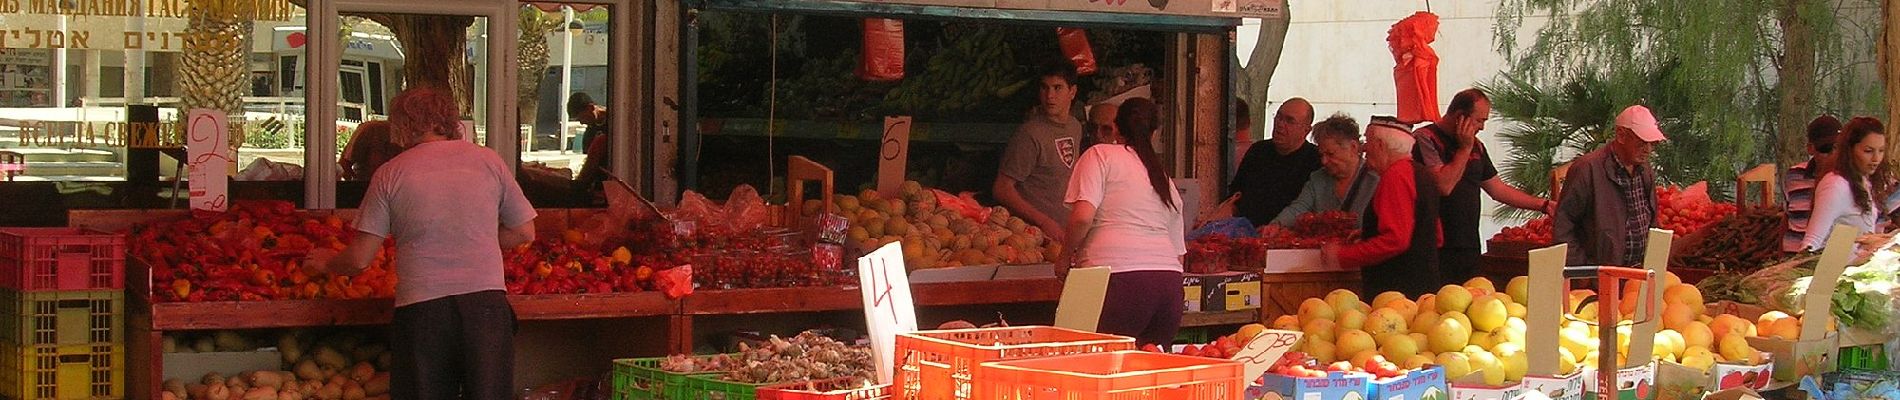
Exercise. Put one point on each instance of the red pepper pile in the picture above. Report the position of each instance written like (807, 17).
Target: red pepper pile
(252, 252)
(1536, 232)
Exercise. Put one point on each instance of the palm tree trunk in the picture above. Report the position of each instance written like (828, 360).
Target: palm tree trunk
(1797, 78)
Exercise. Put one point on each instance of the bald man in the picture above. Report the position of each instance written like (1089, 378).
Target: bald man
(1101, 122)
(1271, 174)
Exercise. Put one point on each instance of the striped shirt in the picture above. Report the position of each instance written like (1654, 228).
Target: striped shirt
(1798, 187)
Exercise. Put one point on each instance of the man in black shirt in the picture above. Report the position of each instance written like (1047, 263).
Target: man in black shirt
(1450, 151)
(1271, 174)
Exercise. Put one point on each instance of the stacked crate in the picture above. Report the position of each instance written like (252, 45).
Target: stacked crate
(62, 314)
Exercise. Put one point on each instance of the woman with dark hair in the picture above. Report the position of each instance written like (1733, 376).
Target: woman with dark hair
(1125, 215)
(368, 149)
(1846, 195)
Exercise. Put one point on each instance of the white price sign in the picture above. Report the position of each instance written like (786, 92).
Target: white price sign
(888, 310)
(1259, 354)
(208, 151)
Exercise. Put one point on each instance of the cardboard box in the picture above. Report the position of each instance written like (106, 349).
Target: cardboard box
(1817, 350)
(1563, 387)
(1191, 285)
(1424, 384)
(1293, 260)
(1675, 381)
(1231, 291)
(1732, 376)
(190, 367)
(1465, 391)
(1633, 383)
(1335, 386)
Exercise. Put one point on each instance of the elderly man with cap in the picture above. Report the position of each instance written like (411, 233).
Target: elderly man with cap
(1608, 201)
(1400, 232)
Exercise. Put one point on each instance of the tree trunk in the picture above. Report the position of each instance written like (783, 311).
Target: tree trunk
(437, 46)
(532, 56)
(1796, 77)
(1255, 77)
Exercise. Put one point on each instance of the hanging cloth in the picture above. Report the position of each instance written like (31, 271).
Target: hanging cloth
(1416, 69)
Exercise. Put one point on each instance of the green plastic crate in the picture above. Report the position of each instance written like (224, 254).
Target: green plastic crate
(62, 318)
(642, 379)
(1869, 358)
(710, 387)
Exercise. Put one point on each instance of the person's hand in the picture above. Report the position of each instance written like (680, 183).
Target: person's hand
(1063, 263)
(1550, 207)
(1329, 256)
(1467, 132)
(318, 261)
(1055, 233)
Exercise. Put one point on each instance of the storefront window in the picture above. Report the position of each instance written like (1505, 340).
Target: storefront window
(563, 52)
(378, 61)
(80, 80)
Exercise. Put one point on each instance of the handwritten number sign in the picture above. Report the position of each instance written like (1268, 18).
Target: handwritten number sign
(888, 310)
(893, 156)
(208, 149)
(1259, 354)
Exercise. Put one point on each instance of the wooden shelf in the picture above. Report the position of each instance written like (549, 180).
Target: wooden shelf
(780, 300)
(1199, 319)
(304, 313)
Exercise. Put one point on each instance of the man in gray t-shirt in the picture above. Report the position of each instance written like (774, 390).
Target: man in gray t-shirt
(1036, 164)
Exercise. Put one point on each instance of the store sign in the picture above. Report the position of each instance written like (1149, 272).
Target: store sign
(888, 309)
(208, 151)
(146, 25)
(1263, 9)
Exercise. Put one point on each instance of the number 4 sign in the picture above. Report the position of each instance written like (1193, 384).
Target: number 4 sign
(888, 310)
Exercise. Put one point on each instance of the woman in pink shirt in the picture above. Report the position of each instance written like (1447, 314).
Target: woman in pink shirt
(1125, 215)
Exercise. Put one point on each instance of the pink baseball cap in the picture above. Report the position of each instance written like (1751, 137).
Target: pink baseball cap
(1638, 119)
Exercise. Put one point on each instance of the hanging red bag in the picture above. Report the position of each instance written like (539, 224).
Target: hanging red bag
(1416, 69)
(883, 50)
(1075, 45)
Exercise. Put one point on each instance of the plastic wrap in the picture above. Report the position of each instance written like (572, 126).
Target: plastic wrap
(745, 211)
(1075, 46)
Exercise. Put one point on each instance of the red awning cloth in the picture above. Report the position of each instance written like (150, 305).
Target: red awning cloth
(1416, 72)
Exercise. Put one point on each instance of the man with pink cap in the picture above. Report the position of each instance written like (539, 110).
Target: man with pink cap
(1608, 203)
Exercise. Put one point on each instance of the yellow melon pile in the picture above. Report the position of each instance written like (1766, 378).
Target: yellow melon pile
(936, 236)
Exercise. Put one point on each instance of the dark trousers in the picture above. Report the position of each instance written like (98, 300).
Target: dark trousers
(1455, 266)
(456, 347)
(1145, 305)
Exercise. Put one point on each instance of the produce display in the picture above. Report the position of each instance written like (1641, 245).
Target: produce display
(1476, 328)
(939, 229)
(1863, 298)
(1688, 210)
(1223, 347)
(808, 356)
(1218, 252)
(1743, 241)
(253, 252)
(1535, 232)
(343, 365)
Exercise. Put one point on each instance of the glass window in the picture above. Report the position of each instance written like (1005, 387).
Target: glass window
(563, 50)
(378, 62)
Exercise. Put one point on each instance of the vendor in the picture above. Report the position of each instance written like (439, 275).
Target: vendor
(1461, 167)
(1846, 196)
(1127, 216)
(1608, 203)
(1797, 185)
(451, 206)
(1101, 124)
(596, 143)
(1038, 158)
(1270, 176)
(1343, 182)
(1400, 233)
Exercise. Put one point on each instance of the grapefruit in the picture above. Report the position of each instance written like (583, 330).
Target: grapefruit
(1453, 298)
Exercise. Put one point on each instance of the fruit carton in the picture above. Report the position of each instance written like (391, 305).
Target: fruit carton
(1191, 286)
(1335, 386)
(1679, 382)
(1479, 391)
(1232, 291)
(1423, 384)
(1558, 387)
(1633, 383)
(1816, 350)
(1729, 376)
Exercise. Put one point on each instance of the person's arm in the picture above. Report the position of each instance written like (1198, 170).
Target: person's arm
(516, 215)
(1832, 199)
(511, 236)
(1306, 203)
(1395, 208)
(1081, 219)
(1510, 195)
(1574, 207)
(352, 260)
(1005, 193)
(1446, 173)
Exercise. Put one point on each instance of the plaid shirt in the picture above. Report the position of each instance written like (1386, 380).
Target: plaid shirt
(1636, 227)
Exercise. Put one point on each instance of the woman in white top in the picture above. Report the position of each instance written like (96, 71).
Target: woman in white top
(1125, 215)
(1846, 195)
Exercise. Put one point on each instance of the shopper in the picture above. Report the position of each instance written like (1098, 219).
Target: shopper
(367, 150)
(450, 206)
(1270, 177)
(1609, 203)
(1343, 182)
(596, 143)
(1101, 124)
(1400, 233)
(1846, 196)
(1798, 183)
(1127, 216)
(1460, 167)
(1037, 160)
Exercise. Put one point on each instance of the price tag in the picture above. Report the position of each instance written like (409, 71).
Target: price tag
(1259, 354)
(893, 156)
(888, 310)
(208, 155)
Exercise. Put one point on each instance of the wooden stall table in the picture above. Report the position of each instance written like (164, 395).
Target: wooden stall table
(1281, 293)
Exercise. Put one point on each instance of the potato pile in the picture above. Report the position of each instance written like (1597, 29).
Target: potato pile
(936, 234)
(344, 365)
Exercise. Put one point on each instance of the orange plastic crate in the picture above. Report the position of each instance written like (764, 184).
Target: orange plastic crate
(934, 365)
(829, 389)
(47, 259)
(1121, 375)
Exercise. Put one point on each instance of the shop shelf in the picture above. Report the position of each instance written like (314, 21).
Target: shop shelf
(1121, 375)
(62, 318)
(938, 364)
(45, 259)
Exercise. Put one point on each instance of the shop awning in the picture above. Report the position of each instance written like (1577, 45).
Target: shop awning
(1166, 15)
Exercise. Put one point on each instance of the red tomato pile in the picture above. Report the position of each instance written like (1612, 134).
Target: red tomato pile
(1537, 231)
(1687, 212)
(1296, 364)
(1223, 348)
(253, 252)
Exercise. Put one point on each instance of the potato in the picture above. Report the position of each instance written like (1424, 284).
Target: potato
(308, 370)
(265, 379)
(381, 397)
(337, 379)
(211, 378)
(168, 396)
(383, 361)
(231, 341)
(354, 391)
(217, 391)
(329, 358)
(361, 372)
(330, 391)
(309, 388)
(176, 388)
(238, 385)
(378, 385)
(289, 394)
(262, 393)
(204, 345)
(196, 391)
(170, 344)
(368, 351)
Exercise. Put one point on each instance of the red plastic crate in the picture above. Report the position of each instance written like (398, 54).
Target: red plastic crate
(1121, 375)
(938, 364)
(829, 389)
(48, 259)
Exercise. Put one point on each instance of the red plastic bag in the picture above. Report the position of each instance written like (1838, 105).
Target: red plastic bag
(1416, 68)
(964, 205)
(676, 282)
(1075, 45)
(883, 50)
